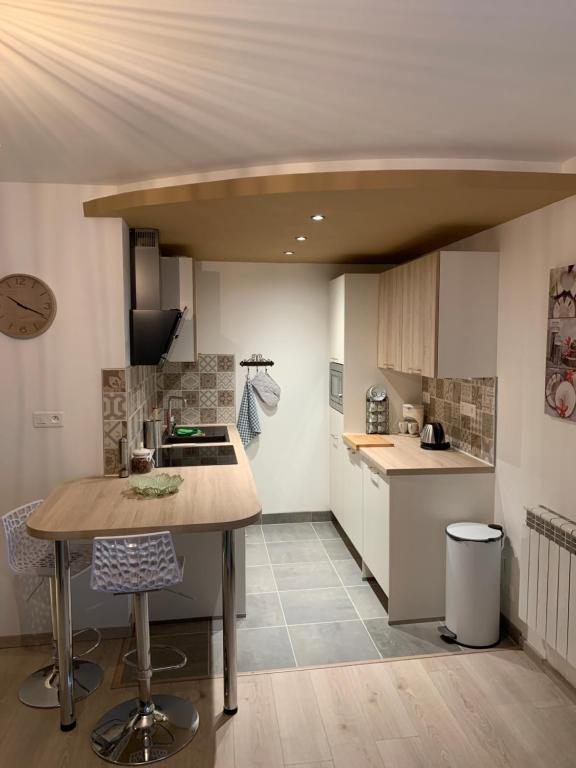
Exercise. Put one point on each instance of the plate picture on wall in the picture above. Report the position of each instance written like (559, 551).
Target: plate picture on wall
(560, 393)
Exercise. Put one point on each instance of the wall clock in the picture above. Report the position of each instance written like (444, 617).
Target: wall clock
(27, 306)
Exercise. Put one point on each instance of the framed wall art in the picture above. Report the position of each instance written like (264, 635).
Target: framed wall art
(560, 393)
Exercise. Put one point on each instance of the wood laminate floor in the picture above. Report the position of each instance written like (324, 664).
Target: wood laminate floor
(474, 710)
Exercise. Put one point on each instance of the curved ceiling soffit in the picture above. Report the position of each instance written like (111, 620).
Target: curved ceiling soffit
(327, 181)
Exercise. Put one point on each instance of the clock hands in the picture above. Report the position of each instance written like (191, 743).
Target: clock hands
(23, 306)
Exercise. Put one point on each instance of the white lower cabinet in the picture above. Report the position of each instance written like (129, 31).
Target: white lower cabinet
(336, 449)
(351, 512)
(376, 509)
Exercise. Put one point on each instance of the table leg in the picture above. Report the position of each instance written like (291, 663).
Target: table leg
(229, 623)
(64, 636)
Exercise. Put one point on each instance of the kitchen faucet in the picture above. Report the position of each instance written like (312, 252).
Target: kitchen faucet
(171, 420)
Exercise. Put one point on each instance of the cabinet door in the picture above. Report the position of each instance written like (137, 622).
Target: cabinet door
(352, 517)
(336, 451)
(390, 319)
(336, 301)
(419, 315)
(376, 553)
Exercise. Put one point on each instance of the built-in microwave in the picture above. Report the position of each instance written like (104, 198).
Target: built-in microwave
(337, 387)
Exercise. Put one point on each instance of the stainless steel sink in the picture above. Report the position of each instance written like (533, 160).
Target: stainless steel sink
(215, 434)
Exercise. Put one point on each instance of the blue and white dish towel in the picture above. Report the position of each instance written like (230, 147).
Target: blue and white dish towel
(248, 420)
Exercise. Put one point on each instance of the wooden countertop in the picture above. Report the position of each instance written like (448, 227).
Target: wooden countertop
(211, 498)
(407, 458)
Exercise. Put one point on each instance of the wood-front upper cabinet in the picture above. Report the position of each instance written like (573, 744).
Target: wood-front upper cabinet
(419, 315)
(390, 320)
(438, 315)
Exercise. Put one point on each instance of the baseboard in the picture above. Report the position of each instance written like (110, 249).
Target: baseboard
(296, 517)
(510, 629)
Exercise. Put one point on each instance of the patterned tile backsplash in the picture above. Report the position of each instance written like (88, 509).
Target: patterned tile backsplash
(129, 396)
(467, 410)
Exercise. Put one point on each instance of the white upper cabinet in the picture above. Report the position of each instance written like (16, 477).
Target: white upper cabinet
(337, 319)
(438, 315)
(178, 290)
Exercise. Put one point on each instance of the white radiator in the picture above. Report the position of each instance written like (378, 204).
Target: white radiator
(548, 580)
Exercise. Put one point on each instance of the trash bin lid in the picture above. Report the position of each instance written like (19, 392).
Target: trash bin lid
(474, 532)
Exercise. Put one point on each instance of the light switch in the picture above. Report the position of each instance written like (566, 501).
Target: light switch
(48, 419)
(467, 409)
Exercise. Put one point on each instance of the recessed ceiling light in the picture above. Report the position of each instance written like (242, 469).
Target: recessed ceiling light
(301, 238)
(288, 253)
(318, 217)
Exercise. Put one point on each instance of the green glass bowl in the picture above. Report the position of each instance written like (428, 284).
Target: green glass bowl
(161, 484)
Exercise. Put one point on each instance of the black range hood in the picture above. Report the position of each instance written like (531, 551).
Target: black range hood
(152, 332)
(152, 329)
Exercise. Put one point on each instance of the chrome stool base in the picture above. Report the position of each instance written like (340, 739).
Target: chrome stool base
(125, 736)
(40, 689)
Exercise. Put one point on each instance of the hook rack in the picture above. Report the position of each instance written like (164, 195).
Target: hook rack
(257, 361)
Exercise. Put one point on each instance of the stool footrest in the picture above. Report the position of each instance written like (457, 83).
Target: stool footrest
(93, 647)
(127, 658)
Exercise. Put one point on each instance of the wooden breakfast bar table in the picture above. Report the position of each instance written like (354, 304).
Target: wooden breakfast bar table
(211, 498)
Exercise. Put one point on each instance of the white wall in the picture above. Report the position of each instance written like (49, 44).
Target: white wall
(43, 232)
(535, 453)
(279, 311)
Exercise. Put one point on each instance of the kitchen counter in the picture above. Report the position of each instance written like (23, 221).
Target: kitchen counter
(407, 458)
(211, 498)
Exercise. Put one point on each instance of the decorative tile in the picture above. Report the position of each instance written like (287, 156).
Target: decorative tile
(208, 363)
(226, 381)
(114, 405)
(111, 461)
(449, 390)
(191, 366)
(226, 416)
(466, 392)
(113, 380)
(225, 397)
(190, 415)
(487, 425)
(172, 381)
(114, 431)
(208, 381)
(192, 398)
(190, 380)
(488, 400)
(225, 362)
(476, 396)
(208, 416)
(169, 367)
(440, 389)
(208, 398)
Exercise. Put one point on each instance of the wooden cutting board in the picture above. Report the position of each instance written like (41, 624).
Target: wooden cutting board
(367, 441)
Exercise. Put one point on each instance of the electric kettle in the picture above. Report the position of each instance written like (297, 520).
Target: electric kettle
(433, 438)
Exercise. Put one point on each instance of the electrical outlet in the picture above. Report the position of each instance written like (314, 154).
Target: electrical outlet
(426, 397)
(467, 409)
(48, 419)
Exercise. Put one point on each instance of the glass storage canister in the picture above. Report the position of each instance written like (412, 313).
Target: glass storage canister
(142, 460)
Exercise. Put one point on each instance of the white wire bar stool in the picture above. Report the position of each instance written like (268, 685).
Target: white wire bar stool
(33, 557)
(146, 729)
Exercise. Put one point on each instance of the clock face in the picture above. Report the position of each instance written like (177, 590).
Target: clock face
(27, 306)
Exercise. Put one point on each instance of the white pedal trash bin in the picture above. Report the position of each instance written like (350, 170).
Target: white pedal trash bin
(473, 564)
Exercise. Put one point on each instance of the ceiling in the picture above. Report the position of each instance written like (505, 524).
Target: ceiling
(371, 216)
(113, 92)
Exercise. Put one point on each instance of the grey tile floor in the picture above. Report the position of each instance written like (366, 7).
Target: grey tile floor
(306, 605)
